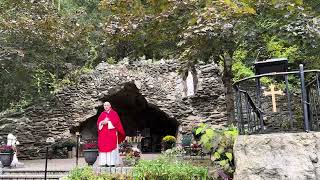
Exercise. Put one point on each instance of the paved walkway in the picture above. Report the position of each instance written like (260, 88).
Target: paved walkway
(63, 164)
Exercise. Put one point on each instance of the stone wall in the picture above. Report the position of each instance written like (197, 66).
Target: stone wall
(159, 83)
(291, 156)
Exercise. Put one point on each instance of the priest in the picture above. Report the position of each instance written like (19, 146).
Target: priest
(110, 134)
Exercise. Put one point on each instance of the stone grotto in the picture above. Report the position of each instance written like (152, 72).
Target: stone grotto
(151, 98)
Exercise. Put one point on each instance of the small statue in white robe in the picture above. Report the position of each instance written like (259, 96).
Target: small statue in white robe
(12, 141)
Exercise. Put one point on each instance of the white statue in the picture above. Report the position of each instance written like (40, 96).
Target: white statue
(12, 141)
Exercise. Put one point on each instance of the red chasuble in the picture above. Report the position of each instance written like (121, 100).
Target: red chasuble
(107, 138)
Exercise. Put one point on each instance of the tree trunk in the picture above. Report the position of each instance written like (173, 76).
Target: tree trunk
(227, 78)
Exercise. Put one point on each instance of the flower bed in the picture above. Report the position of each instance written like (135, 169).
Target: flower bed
(169, 169)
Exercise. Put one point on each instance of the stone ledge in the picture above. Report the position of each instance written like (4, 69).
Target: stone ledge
(285, 156)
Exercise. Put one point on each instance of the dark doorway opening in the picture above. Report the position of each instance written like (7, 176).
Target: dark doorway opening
(137, 116)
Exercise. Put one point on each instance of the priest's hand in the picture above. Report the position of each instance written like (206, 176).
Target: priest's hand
(105, 121)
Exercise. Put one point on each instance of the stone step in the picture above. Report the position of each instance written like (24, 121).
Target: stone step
(16, 174)
(30, 177)
(31, 172)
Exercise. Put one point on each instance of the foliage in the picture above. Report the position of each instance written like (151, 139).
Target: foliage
(6, 149)
(196, 149)
(132, 156)
(46, 46)
(81, 173)
(129, 161)
(237, 33)
(168, 142)
(39, 46)
(220, 142)
(169, 139)
(240, 70)
(88, 173)
(70, 142)
(174, 152)
(125, 147)
(166, 168)
(134, 153)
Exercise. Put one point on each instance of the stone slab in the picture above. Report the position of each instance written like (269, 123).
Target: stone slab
(290, 156)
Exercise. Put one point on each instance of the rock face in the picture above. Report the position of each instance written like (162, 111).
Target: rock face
(292, 156)
(134, 91)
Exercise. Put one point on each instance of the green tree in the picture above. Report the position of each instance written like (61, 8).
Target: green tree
(42, 41)
(38, 44)
(208, 30)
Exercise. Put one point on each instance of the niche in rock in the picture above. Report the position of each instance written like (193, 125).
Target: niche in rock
(137, 116)
(190, 82)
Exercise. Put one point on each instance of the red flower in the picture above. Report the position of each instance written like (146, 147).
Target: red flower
(6, 149)
(90, 146)
(195, 145)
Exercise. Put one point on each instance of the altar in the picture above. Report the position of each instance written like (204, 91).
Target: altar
(145, 141)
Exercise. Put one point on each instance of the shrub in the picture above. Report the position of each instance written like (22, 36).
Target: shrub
(174, 152)
(168, 169)
(168, 142)
(220, 142)
(81, 173)
(69, 143)
(87, 173)
(169, 139)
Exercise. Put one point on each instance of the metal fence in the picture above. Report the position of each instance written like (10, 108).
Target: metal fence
(299, 109)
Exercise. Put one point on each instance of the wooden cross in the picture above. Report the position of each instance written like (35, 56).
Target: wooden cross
(273, 94)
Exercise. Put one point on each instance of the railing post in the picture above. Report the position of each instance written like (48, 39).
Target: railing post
(77, 148)
(317, 101)
(46, 166)
(237, 106)
(247, 112)
(49, 142)
(258, 89)
(304, 100)
(289, 101)
(318, 84)
(241, 123)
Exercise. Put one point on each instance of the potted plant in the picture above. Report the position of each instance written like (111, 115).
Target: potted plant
(125, 148)
(90, 152)
(195, 148)
(197, 133)
(6, 155)
(168, 142)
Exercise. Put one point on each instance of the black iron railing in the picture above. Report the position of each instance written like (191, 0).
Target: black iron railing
(299, 112)
(313, 103)
(250, 116)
